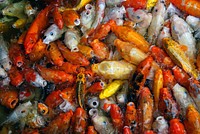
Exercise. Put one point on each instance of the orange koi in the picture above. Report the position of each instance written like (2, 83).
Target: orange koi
(117, 117)
(192, 121)
(136, 4)
(53, 99)
(97, 87)
(102, 31)
(54, 75)
(55, 55)
(58, 19)
(34, 31)
(79, 121)
(76, 58)
(71, 18)
(60, 124)
(161, 57)
(69, 68)
(16, 77)
(176, 127)
(100, 49)
(38, 51)
(169, 80)
(191, 7)
(129, 35)
(91, 130)
(16, 55)
(157, 85)
(8, 97)
(181, 76)
(145, 110)
(131, 116)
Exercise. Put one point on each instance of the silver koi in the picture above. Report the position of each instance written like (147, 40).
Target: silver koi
(141, 18)
(20, 112)
(111, 3)
(182, 98)
(160, 125)
(115, 13)
(72, 39)
(171, 10)
(4, 56)
(87, 17)
(52, 33)
(101, 123)
(157, 21)
(121, 96)
(3, 73)
(194, 22)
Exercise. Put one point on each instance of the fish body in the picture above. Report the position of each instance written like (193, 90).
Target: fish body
(129, 52)
(19, 113)
(111, 89)
(145, 110)
(182, 98)
(4, 56)
(167, 105)
(100, 10)
(157, 21)
(176, 127)
(111, 3)
(171, 10)
(192, 121)
(182, 33)
(114, 69)
(179, 57)
(194, 22)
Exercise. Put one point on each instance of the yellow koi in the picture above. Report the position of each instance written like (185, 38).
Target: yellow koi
(111, 89)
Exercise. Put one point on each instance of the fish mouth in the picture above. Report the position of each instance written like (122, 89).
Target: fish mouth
(93, 112)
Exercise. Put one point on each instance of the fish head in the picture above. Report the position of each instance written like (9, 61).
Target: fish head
(136, 16)
(87, 16)
(51, 34)
(8, 11)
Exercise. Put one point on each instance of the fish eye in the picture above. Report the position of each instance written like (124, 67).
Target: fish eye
(51, 33)
(138, 17)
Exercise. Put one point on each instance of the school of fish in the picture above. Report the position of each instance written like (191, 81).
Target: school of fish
(100, 67)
